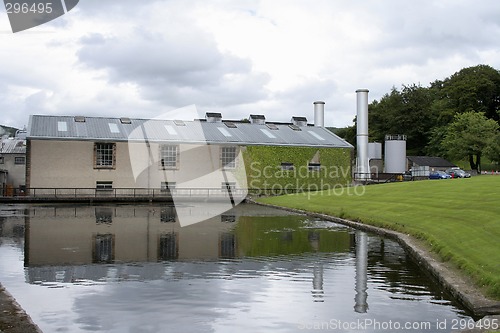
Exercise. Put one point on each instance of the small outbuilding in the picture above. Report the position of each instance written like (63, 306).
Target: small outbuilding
(434, 163)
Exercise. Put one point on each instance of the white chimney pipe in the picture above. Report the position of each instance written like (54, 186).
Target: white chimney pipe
(319, 114)
(363, 166)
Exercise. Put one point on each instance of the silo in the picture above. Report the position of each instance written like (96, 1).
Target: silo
(395, 153)
(374, 150)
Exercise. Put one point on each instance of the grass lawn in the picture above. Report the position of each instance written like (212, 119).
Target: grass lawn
(458, 218)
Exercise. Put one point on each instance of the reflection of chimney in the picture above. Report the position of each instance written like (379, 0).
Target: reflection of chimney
(363, 167)
(361, 305)
(319, 114)
(318, 292)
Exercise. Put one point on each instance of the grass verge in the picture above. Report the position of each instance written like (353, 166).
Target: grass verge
(459, 219)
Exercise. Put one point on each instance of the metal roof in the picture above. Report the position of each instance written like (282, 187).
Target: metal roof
(13, 146)
(431, 161)
(156, 130)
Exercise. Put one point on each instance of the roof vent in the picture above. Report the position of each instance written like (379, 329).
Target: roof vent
(79, 119)
(299, 121)
(213, 117)
(272, 127)
(125, 120)
(257, 119)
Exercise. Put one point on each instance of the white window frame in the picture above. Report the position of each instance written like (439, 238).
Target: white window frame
(169, 157)
(228, 156)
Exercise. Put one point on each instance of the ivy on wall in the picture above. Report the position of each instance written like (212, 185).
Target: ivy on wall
(264, 170)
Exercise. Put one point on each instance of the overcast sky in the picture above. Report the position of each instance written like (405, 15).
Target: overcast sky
(272, 57)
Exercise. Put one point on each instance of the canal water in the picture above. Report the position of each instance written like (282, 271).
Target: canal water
(252, 269)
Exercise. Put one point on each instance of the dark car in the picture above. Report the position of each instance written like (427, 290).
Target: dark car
(458, 173)
(439, 175)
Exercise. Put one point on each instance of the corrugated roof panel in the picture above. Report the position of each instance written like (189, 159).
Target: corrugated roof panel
(12, 146)
(105, 129)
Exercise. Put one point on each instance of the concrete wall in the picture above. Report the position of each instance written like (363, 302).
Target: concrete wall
(16, 172)
(70, 164)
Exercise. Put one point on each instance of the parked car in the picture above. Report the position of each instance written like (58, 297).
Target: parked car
(457, 173)
(439, 175)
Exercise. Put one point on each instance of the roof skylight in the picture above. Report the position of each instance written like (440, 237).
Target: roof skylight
(268, 133)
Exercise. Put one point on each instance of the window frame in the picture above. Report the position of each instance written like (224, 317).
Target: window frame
(111, 151)
(287, 166)
(226, 162)
(164, 153)
(17, 158)
(104, 185)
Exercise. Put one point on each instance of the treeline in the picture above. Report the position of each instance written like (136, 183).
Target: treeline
(456, 118)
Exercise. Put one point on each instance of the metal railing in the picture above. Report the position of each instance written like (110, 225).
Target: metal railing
(146, 193)
(137, 193)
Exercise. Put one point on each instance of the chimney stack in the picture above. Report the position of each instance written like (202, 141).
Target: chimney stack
(363, 166)
(319, 114)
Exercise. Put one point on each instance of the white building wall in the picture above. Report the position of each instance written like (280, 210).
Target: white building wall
(70, 164)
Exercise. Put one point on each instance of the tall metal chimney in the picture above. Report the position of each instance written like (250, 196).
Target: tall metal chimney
(319, 114)
(363, 166)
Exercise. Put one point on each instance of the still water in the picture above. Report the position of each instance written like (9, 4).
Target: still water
(252, 269)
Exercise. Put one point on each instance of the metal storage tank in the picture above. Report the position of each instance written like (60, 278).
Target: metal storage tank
(395, 153)
(374, 150)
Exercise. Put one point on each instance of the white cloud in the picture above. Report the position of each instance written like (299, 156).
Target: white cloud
(237, 57)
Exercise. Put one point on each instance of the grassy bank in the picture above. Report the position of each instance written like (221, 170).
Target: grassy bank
(459, 218)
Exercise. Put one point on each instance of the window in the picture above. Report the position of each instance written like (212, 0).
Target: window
(226, 218)
(167, 186)
(317, 136)
(228, 186)
(314, 166)
(103, 251)
(228, 157)
(168, 156)
(272, 127)
(103, 215)
(168, 247)
(104, 185)
(287, 166)
(230, 125)
(227, 245)
(104, 155)
(268, 134)
(20, 160)
(113, 128)
(167, 215)
(62, 126)
(224, 132)
(295, 127)
(171, 130)
(1, 160)
(125, 120)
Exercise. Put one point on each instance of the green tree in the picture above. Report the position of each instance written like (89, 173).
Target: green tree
(493, 150)
(469, 136)
(409, 112)
(471, 89)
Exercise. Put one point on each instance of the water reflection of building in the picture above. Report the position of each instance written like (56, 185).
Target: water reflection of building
(83, 235)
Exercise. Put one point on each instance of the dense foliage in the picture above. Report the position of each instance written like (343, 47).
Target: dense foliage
(427, 115)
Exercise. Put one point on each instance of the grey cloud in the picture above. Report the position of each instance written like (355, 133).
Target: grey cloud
(183, 68)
